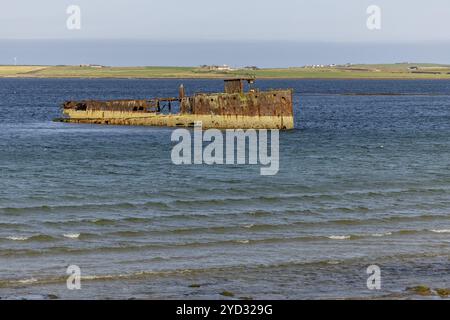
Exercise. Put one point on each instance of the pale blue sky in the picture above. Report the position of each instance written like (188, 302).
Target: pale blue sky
(292, 20)
(266, 33)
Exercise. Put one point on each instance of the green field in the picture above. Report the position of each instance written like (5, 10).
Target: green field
(366, 71)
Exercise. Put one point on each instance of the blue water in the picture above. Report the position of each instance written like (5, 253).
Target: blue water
(364, 179)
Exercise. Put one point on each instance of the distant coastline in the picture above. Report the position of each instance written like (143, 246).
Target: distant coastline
(359, 71)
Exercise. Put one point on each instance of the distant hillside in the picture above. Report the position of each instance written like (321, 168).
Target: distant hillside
(358, 71)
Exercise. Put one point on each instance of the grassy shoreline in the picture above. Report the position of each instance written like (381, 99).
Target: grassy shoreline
(386, 71)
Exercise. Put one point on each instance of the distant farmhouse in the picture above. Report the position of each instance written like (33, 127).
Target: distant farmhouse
(96, 66)
(313, 66)
(217, 68)
(251, 68)
(226, 68)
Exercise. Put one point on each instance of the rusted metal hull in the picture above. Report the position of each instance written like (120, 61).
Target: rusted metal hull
(232, 109)
(181, 120)
(269, 103)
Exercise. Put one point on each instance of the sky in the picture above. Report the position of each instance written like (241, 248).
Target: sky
(276, 32)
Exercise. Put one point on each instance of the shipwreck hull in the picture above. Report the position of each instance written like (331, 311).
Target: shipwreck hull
(232, 109)
(180, 120)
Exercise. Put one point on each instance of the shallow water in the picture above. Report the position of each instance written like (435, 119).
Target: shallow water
(364, 179)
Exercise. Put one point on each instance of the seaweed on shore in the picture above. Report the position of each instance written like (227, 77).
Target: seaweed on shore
(421, 290)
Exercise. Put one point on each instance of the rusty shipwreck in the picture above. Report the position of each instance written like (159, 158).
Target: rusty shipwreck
(234, 108)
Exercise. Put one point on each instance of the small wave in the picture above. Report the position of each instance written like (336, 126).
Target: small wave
(103, 222)
(381, 234)
(86, 207)
(15, 210)
(259, 213)
(440, 230)
(352, 209)
(39, 237)
(27, 281)
(17, 238)
(268, 199)
(11, 225)
(243, 241)
(339, 237)
(71, 235)
(408, 232)
(140, 219)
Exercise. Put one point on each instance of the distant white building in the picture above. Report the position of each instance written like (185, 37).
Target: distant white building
(224, 68)
(97, 66)
(217, 68)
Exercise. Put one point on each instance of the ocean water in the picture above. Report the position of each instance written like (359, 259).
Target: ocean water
(364, 179)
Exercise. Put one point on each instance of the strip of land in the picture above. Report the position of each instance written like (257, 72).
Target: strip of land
(362, 71)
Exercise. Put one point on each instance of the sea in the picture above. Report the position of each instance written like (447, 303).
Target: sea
(363, 185)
